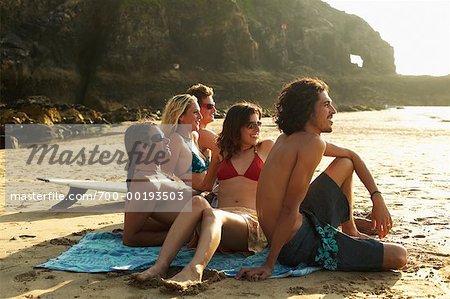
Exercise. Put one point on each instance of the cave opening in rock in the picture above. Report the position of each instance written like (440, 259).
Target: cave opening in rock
(356, 59)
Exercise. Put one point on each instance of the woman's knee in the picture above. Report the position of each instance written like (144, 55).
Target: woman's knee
(199, 203)
(212, 217)
(209, 214)
(129, 240)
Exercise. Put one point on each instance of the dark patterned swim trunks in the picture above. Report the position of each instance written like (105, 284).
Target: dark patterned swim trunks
(319, 243)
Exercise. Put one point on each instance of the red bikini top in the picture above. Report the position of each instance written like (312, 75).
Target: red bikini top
(226, 170)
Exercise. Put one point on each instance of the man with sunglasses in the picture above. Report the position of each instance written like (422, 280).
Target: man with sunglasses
(300, 219)
(206, 138)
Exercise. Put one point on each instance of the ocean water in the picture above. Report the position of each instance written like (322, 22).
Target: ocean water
(407, 150)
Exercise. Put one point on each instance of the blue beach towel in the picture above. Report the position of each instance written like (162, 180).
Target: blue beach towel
(104, 252)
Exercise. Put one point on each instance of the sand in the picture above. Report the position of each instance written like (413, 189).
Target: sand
(408, 152)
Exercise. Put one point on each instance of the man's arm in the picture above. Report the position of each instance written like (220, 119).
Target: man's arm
(210, 177)
(296, 191)
(207, 139)
(381, 218)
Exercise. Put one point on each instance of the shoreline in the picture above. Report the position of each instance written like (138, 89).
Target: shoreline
(66, 122)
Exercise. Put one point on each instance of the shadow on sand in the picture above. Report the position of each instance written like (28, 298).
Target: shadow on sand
(77, 211)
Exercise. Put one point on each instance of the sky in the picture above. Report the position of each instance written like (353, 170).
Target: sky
(419, 31)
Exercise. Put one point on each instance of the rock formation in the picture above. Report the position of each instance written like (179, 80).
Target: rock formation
(104, 54)
(138, 52)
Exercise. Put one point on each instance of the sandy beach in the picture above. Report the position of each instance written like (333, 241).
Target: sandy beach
(408, 152)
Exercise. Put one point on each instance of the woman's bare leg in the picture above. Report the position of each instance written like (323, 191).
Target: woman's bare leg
(180, 232)
(234, 237)
(143, 229)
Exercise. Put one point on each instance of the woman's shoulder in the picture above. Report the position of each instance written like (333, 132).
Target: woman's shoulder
(207, 133)
(263, 148)
(266, 144)
(175, 138)
(174, 135)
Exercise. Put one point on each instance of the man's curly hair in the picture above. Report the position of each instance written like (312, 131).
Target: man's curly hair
(296, 102)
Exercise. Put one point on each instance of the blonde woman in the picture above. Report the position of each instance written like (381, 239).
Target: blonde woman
(181, 122)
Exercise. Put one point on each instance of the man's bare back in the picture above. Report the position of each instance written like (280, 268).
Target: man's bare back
(289, 167)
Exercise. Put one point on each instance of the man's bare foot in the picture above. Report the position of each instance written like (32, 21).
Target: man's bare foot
(365, 226)
(148, 274)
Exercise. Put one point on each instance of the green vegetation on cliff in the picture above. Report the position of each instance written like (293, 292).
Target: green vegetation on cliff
(104, 54)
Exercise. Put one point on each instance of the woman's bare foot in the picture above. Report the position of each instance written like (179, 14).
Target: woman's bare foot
(150, 273)
(189, 277)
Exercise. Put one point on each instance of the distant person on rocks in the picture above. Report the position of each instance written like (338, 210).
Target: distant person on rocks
(300, 219)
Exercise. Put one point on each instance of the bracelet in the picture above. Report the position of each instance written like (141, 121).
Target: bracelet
(373, 193)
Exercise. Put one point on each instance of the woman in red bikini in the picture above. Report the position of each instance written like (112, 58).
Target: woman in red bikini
(234, 225)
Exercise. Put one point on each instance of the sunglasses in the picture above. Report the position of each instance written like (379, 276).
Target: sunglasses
(209, 106)
(253, 125)
(156, 138)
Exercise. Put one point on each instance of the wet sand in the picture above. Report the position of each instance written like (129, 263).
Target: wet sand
(408, 152)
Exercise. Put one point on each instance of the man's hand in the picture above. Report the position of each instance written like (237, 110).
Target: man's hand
(255, 274)
(381, 218)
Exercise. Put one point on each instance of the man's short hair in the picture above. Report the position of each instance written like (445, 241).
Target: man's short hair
(296, 102)
(200, 91)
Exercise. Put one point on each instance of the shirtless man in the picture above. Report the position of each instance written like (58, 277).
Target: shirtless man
(300, 219)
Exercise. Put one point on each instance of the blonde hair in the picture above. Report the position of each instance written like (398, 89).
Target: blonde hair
(174, 109)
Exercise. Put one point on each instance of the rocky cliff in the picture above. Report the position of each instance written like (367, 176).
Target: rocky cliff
(139, 52)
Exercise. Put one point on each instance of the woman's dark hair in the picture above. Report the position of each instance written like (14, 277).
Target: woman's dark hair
(135, 134)
(296, 102)
(229, 140)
